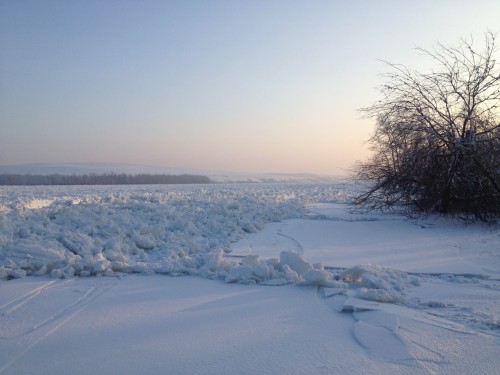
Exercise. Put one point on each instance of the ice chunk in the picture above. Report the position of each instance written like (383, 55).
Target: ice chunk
(241, 274)
(17, 273)
(290, 274)
(377, 283)
(117, 266)
(295, 262)
(317, 277)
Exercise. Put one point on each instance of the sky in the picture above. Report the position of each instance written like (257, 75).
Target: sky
(245, 86)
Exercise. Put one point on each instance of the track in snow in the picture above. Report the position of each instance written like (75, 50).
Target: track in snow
(26, 331)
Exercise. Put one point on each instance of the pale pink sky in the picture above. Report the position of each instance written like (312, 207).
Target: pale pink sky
(250, 86)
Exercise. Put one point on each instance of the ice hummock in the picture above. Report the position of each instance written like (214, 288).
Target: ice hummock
(88, 231)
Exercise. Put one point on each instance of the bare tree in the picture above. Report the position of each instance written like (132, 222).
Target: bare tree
(437, 138)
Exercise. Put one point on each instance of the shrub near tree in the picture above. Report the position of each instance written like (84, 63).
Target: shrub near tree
(437, 138)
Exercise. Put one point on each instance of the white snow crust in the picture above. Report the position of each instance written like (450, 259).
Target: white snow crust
(360, 292)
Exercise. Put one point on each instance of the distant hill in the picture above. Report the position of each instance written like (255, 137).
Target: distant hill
(303, 178)
(80, 169)
(88, 168)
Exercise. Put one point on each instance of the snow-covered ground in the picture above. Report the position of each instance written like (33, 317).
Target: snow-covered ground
(280, 279)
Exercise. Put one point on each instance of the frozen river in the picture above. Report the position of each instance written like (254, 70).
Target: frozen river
(86, 286)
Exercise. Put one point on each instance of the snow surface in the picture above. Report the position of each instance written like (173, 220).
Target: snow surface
(358, 292)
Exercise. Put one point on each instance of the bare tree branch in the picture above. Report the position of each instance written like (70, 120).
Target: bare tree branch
(437, 136)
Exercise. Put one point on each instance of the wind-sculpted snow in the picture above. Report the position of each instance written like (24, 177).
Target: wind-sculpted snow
(84, 231)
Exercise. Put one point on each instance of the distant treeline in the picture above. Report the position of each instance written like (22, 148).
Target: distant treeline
(101, 179)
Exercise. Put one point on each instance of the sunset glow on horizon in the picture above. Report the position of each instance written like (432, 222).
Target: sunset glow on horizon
(247, 86)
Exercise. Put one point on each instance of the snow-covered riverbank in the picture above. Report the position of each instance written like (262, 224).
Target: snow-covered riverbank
(359, 292)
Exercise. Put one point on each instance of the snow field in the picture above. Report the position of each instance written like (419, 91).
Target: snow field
(149, 324)
(372, 293)
(178, 325)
